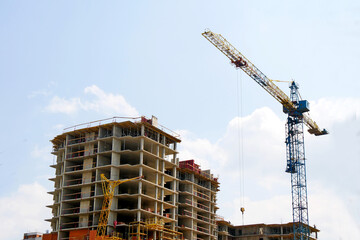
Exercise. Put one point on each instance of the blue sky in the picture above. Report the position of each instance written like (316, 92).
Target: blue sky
(69, 62)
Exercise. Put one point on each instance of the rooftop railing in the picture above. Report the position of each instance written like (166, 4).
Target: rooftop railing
(118, 120)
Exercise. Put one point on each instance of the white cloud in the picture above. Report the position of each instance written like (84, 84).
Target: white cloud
(261, 135)
(108, 103)
(267, 187)
(328, 112)
(96, 100)
(24, 210)
(260, 144)
(327, 211)
(276, 209)
(62, 105)
(202, 150)
(331, 214)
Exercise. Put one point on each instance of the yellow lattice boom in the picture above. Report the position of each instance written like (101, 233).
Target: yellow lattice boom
(108, 187)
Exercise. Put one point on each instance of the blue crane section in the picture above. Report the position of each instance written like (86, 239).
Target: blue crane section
(296, 109)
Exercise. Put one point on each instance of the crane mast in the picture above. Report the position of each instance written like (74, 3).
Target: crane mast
(296, 109)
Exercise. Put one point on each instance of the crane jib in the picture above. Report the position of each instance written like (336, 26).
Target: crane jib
(240, 61)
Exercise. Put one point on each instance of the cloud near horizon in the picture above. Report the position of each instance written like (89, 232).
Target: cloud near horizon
(267, 196)
(24, 211)
(95, 100)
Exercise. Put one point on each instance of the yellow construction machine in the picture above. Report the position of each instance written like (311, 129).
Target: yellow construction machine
(108, 187)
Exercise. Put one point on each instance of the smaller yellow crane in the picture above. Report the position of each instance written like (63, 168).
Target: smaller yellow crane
(108, 187)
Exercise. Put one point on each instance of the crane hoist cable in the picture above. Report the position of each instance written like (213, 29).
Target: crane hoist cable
(240, 137)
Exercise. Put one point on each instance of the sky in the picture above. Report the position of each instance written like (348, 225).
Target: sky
(68, 62)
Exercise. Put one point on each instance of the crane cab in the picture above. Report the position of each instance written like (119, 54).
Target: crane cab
(302, 107)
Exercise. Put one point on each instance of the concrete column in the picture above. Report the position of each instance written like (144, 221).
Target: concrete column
(155, 204)
(114, 173)
(173, 210)
(163, 152)
(138, 214)
(117, 131)
(141, 157)
(141, 144)
(156, 187)
(157, 148)
(83, 221)
(58, 226)
(142, 130)
(85, 192)
(86, 177)
(192, 200)
(174, 197)
(88, 163)
(157, 164)
(140, 182)
(174, 155)
(115, 159)
(111, 219)
(174, 181)
(173, 225)
(162, 204)
(116, 145)
(162, 168)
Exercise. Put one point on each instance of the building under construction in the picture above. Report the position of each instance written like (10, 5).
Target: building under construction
(197, 202)
(167, 199)
(284, 231)
(144, 208)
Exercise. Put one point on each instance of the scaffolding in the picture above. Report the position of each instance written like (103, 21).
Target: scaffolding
(152, 229)
(138, 231)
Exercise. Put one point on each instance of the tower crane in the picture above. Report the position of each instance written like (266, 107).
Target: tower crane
(108, 187)
(296, 110)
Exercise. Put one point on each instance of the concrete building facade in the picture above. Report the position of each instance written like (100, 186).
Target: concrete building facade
(227, 231)
(197, 202)
(120, 150)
